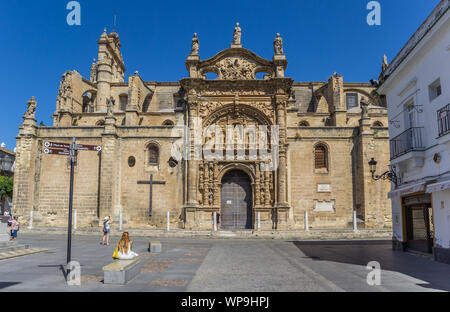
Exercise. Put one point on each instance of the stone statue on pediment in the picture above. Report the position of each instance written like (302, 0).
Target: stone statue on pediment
(237, 35)
(195, 45)
(364, 107)
(110, 106)
(31, 108)
(385, 64)
(278, 45)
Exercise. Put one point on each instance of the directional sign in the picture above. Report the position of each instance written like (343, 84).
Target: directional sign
(52, 151)
(57, 145)
(84, 147)
(80, 147)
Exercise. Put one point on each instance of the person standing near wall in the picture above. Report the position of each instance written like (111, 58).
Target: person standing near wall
(107, 222)
(14, 228)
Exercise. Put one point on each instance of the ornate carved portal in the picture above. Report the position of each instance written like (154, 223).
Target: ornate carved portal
(212, 172)
(210, 183)
(237, 99)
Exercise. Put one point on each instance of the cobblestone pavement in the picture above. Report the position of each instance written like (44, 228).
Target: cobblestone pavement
(227, 265)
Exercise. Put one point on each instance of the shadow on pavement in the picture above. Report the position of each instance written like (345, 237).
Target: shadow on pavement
(434, 274)
(8, 284)
(60, 266)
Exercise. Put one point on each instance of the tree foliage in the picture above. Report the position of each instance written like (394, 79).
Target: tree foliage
(6, 186)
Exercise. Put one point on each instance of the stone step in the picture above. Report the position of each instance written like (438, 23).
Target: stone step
(13, 247)
(7, 243)
(21, 252)
(298, 234)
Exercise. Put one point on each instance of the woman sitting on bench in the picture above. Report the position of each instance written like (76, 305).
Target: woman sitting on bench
(124, 248)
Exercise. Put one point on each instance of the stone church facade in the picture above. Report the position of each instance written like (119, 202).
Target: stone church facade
(326, 134)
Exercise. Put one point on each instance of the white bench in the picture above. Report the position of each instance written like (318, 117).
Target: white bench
(121, 271)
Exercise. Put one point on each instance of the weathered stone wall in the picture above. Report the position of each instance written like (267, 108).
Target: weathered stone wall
(304, 180)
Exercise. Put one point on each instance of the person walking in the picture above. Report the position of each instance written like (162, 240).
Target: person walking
(107, 222)
(14, 228)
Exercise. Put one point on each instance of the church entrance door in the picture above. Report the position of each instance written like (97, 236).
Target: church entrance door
(236, 201)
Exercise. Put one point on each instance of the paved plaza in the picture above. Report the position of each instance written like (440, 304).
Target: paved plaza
(236, 265)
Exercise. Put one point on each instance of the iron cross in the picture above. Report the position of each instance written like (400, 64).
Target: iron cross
(151, 182)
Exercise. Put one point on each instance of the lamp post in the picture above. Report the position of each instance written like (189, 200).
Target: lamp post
(388, 175)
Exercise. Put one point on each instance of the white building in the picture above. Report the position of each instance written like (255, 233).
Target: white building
(417, 89)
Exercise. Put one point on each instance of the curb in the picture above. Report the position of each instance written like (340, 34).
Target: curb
(177, 233)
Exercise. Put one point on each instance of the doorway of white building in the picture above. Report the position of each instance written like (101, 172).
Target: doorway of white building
(419, 227)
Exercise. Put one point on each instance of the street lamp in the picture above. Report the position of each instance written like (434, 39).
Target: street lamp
(388, 175)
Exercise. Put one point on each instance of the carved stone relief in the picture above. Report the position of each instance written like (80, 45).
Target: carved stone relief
(234, 68)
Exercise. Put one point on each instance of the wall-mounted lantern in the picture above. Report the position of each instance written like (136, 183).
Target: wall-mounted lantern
(388, 175)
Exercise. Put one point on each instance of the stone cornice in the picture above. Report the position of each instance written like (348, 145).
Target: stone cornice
(269, 86)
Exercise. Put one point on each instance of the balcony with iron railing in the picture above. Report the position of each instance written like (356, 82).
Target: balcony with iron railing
(443, 120)
(407, 141)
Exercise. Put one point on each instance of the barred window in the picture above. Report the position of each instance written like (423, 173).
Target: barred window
(168, 123)
(304, 123)
(377, 124)
(352, 100)
(321, 157)
(153, 155)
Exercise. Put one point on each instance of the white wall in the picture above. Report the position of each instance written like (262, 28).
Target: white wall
(442, 218)
(429, 61)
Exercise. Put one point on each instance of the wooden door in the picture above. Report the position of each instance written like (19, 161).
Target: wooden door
(236, 201)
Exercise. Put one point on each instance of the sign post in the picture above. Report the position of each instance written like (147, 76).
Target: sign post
(71, 150)
(73, 155)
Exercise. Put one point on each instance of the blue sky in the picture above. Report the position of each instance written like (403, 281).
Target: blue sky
(320, 37)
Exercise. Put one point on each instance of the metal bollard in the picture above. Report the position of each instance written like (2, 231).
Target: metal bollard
(259, 221)
(30, 226)
(168, 221)
(306, 221)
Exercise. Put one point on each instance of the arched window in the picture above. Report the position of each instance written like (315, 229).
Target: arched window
(320, 157)
(377, 124)
(168, 122)
(153, 155)
(303, 123)
(123, 99)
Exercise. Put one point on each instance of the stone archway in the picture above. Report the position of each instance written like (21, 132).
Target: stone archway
(236, 208)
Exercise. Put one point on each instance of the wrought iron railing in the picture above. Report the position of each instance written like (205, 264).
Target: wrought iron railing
(443, 119)
(409, 140)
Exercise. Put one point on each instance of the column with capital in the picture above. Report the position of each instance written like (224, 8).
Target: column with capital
(281, 218)
(192, 166)
(281, 120)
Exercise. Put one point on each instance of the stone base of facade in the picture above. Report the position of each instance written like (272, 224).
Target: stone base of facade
(441, 254)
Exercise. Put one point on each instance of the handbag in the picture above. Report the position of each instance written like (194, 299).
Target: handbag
(116, 253)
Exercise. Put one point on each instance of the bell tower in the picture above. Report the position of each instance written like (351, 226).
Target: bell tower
(110, 66)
